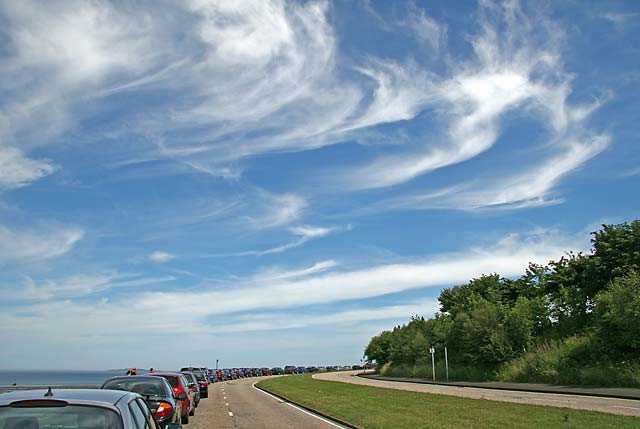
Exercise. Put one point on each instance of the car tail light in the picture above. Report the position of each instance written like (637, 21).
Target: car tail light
(164, 409)
(203, 383)
(194, 388)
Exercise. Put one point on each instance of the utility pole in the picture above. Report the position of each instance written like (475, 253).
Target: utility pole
(433, 362)
(216, 364)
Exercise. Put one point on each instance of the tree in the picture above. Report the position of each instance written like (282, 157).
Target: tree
(618, 310)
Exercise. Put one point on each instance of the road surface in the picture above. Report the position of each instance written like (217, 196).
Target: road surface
(627, 407)
(237, 404)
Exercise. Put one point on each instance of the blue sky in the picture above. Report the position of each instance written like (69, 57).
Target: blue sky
(270, 182)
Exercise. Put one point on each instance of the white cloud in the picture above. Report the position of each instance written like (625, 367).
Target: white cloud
(426, 28)
(161, 257)
(533, 187)
(304, 234)
(272, 274)
(16, 170)
(81, 48)
(29, 245)
(518, 68)
(632, 172)
(621, 19)
(275, 321)
(190, 309)
(277, 210)
(81, 285)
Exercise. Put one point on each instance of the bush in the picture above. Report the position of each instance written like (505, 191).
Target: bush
(571, 361)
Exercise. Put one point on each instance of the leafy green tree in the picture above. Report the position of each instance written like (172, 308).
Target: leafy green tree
(618, 310)
(379, 348)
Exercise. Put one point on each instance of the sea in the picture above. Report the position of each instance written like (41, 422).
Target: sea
(56, 377)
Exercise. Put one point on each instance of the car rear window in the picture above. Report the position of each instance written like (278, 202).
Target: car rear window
(66, 417)
(173, 381)
(143, 387)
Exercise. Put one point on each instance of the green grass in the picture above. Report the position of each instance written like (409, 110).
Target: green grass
(373, 407)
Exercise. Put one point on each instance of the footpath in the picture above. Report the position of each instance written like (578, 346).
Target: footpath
(605, 392)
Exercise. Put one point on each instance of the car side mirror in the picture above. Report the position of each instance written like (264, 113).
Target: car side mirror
(182, 395)
(173, 426)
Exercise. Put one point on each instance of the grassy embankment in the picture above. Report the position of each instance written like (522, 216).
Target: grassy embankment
(372, 407)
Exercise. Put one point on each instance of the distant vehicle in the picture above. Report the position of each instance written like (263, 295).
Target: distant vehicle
(201, 373)
(356, 367)
(180, 387)
(290, 369)
(265, 371)
(203, 381)
(194, 385)
(156, 392)
(277, 371)
(312, 369)
(76, 409)
(302, 370)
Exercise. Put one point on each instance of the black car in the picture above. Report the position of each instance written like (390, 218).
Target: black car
(156, 391)
(277, 371)
(76, 409)
(203, 379)
(194, 385)
(290, 369)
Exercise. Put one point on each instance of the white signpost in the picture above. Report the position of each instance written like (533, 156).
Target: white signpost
(432, 350)
(446, 362)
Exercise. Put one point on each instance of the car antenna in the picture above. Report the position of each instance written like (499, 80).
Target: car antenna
(49, 392)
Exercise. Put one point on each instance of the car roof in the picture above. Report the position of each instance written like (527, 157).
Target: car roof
(135, 377)
(76, 396)
(170, 374)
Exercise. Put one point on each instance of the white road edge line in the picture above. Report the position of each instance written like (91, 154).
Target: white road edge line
(299, 409)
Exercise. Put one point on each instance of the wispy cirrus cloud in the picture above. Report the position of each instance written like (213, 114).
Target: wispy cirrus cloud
(304, 234)
(36, 244)
(161, 257)
(278, 321)
(509, 257)
(517, 67)
(277, 210)
(16, 170)
(81, 285)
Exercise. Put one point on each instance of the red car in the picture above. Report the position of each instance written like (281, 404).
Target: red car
(183, 393)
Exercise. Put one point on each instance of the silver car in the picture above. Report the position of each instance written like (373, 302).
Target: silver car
(76, 409)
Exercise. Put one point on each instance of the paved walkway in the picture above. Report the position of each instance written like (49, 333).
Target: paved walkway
(628, 407)
(611, 392)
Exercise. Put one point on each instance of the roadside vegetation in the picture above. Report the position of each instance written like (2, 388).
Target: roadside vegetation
(372, 407)
(573, 321)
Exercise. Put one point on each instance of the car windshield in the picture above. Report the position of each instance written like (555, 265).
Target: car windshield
(66, 417)
(143, 387)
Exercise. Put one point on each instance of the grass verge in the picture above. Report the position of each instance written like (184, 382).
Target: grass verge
(373, 407)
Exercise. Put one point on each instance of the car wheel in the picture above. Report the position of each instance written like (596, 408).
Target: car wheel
(185, 419)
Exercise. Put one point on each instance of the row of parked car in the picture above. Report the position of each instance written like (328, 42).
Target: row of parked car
(155, 400)
(235, 373)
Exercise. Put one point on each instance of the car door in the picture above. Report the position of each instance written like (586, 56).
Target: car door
(151, 421)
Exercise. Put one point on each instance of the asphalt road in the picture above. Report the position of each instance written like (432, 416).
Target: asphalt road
(237, 404)
(627, 407)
